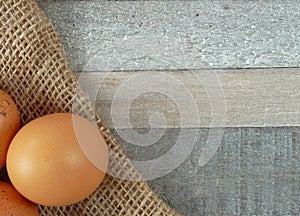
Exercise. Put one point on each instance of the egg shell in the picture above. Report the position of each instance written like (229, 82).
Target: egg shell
(9, 123)
(57, 160)
(13, 204)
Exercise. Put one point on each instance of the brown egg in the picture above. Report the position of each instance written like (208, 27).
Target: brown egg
(58, 159)
(9, 124)
(13, 204)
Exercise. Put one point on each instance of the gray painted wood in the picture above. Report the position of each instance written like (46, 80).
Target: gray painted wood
(255, 171)
(156, 35)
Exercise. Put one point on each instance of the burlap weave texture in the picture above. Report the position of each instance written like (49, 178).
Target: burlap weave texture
(35, 72)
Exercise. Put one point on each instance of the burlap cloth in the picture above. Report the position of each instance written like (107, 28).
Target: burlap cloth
(37, 75)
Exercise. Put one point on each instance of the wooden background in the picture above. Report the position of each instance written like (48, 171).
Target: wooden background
(253, 47)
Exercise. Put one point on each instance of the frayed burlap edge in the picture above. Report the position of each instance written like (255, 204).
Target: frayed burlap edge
(37, 75)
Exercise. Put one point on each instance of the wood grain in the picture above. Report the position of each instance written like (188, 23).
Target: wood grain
(254, 172)
(253, 97)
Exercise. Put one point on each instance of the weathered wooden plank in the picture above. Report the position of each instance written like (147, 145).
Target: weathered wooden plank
(253, 98)
(156, 35)
(255, 171)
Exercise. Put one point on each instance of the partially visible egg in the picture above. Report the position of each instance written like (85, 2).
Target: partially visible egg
(13, 204)
(9, 123)
(58, 159)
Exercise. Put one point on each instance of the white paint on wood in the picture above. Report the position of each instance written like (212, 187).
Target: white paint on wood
(164, 35)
